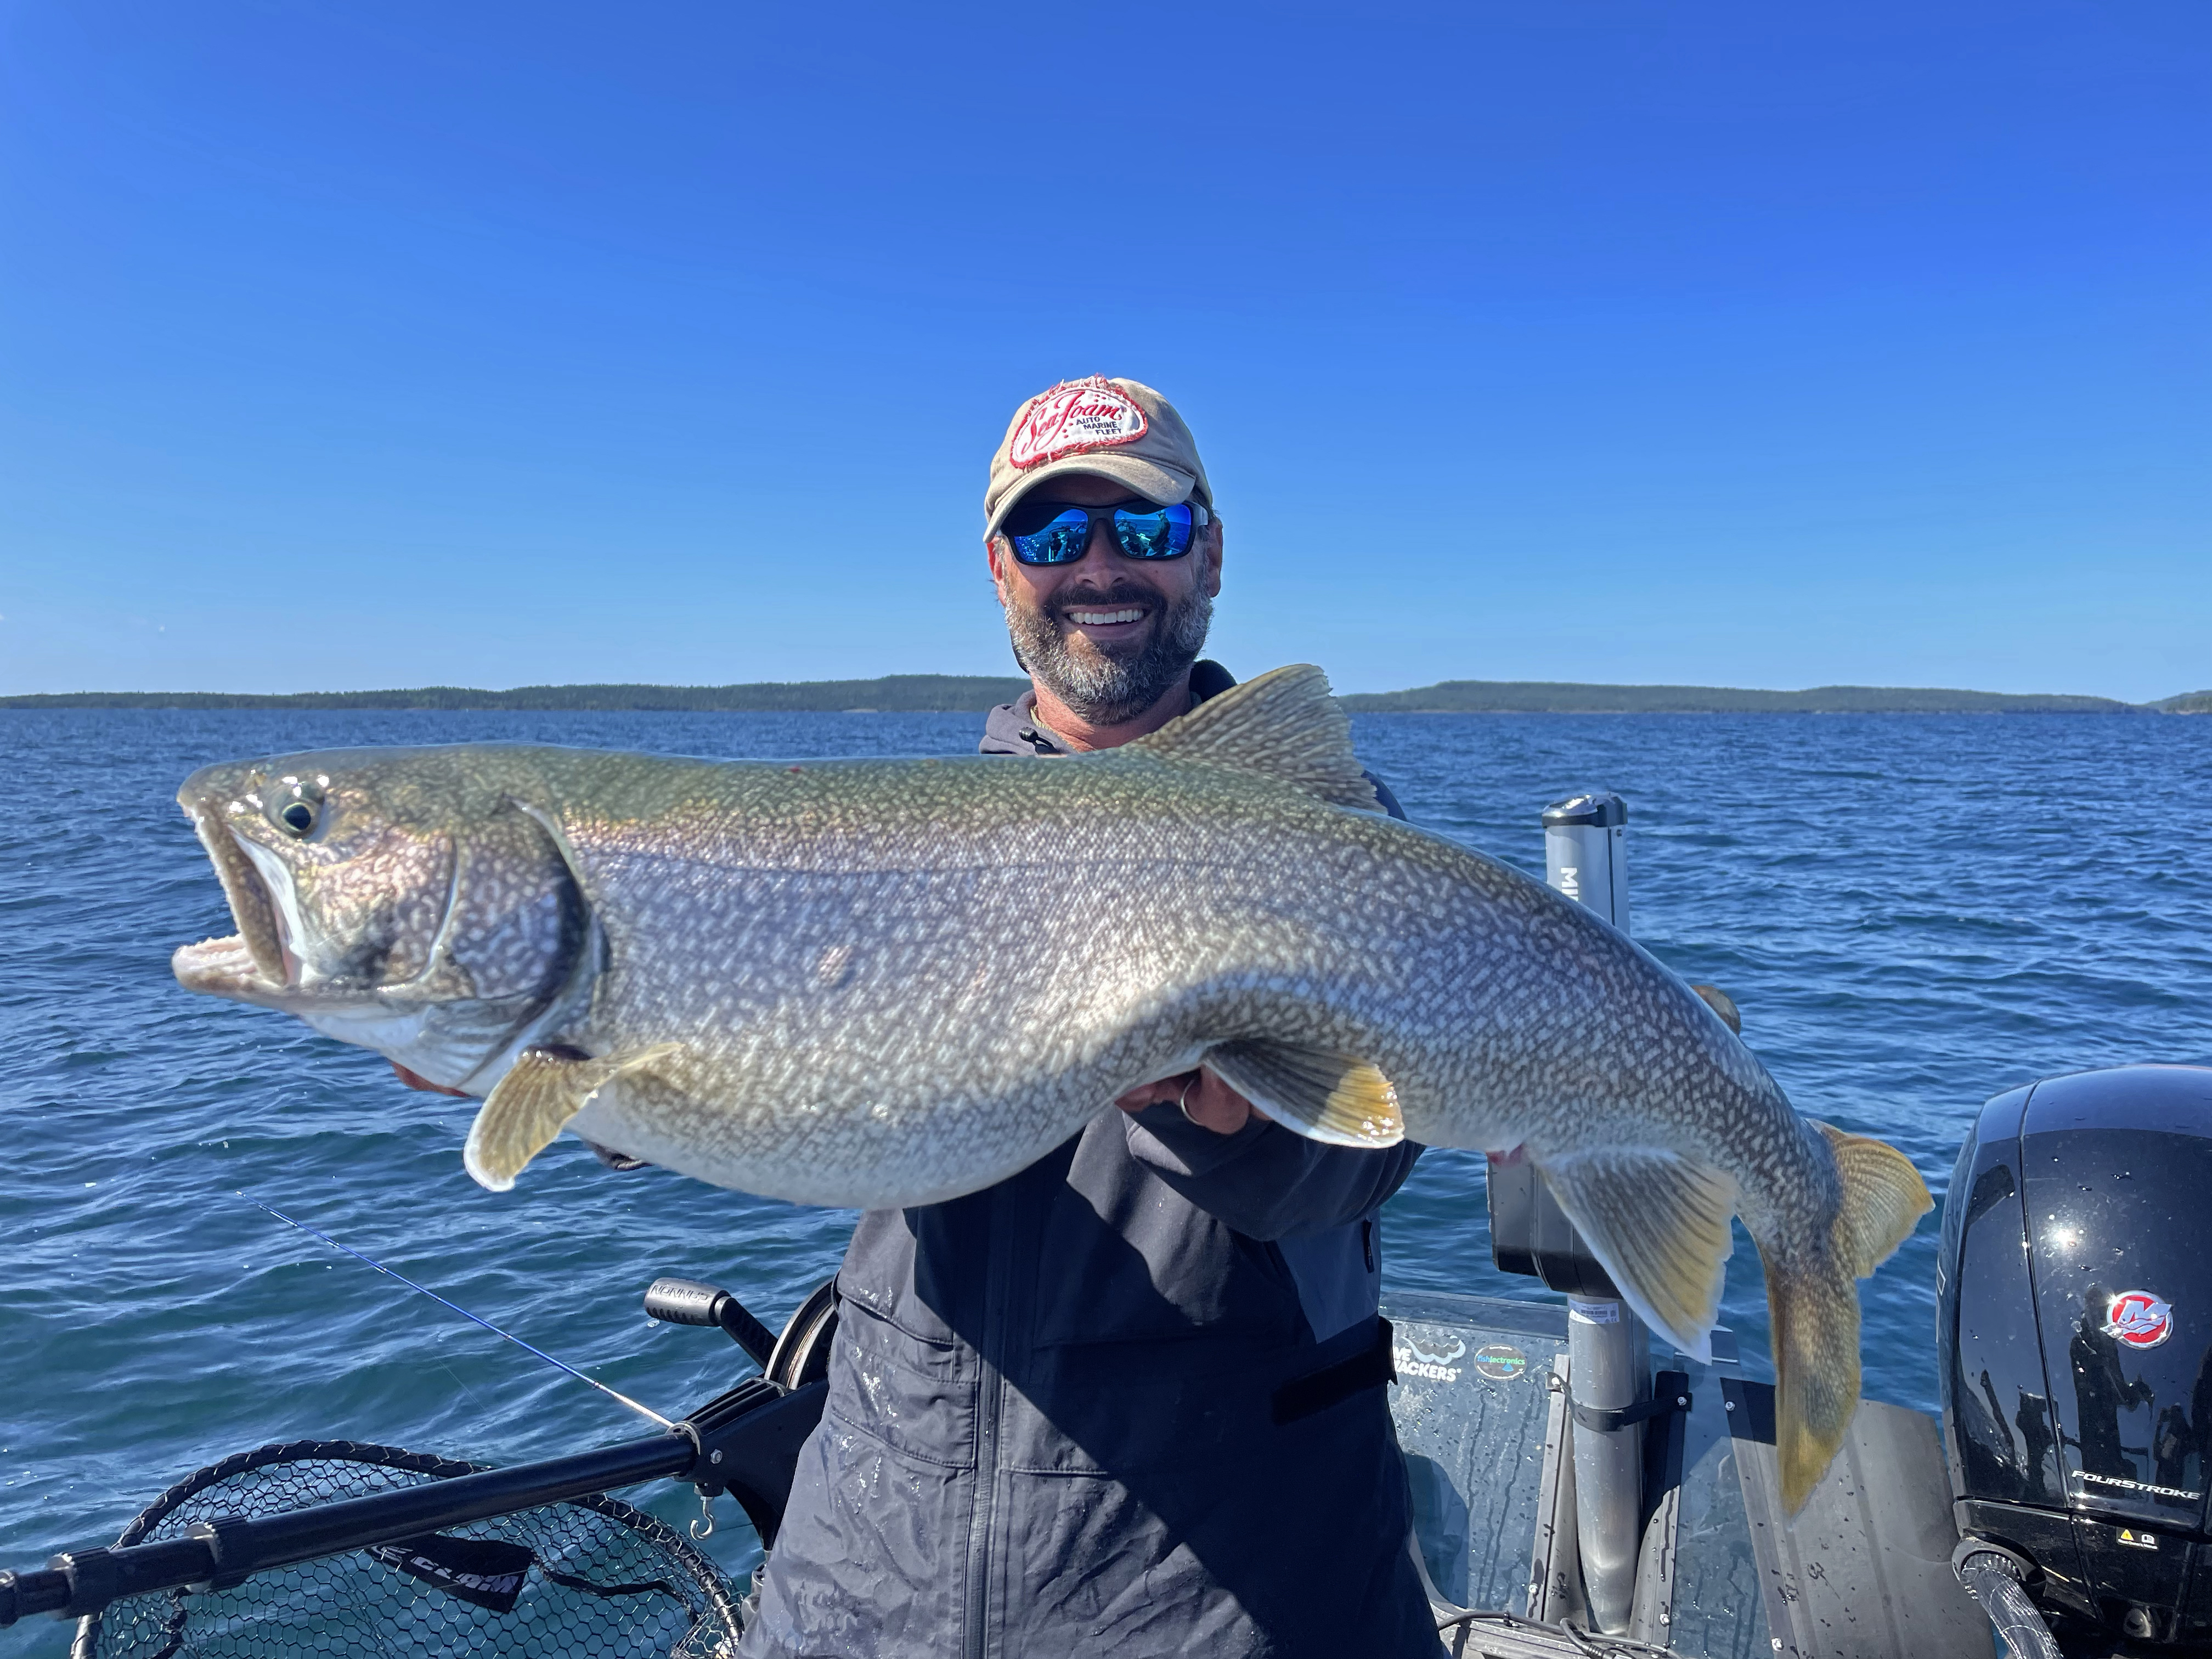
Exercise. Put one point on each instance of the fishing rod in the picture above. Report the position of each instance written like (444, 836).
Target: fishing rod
(558, 1364)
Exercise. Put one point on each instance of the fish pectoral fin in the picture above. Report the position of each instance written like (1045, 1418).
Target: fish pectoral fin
(541, 1092)
(1340, 1099)
(1660, 1225)
(1283, 725)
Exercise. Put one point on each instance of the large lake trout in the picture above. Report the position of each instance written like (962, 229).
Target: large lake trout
(881, 983)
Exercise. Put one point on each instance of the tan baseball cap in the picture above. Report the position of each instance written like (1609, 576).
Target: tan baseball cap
(1121, 429)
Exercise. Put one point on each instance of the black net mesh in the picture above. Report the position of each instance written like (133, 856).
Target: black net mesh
(590, 1576)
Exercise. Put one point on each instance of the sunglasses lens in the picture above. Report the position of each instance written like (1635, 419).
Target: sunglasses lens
(1060, 540)
(1162, 533)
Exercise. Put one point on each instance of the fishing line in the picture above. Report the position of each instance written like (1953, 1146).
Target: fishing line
(560, 1365)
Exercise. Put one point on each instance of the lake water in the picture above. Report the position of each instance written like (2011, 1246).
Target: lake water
(1913, 914)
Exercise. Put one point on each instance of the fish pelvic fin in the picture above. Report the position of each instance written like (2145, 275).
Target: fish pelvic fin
(1661, 1223)
(528, 1107)
(1339, 1099)
(1283, 725)
(1813, 1308)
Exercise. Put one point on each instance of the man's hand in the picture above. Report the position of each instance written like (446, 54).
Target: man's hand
(1205, 1100)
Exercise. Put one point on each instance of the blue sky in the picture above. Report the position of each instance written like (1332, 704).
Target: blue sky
(364, 344)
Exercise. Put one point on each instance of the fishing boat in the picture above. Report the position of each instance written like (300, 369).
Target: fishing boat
(1576, 1490)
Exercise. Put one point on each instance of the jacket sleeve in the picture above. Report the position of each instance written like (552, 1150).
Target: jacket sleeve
(1264, 1181)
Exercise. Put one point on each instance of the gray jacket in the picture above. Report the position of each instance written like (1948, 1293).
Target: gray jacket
(1128, 1402)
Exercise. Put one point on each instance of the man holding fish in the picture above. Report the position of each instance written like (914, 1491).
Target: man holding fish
(1139, 1387)
(1104, 1382)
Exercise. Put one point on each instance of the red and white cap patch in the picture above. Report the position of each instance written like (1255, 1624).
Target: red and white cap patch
(1075, 415)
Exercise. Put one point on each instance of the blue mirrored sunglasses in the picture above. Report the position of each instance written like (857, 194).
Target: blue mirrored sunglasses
(1057, 533)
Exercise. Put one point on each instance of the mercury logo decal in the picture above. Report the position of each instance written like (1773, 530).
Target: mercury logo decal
(1073, 416)
(2137, 1319)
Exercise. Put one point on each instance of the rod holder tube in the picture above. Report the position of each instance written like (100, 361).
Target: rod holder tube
(1605, 1342)
(1608, 1351)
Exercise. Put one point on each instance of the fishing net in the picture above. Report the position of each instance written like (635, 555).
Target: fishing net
(589, 1576)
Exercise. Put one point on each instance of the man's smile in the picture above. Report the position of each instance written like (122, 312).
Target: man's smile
(1115, 621)
(1092, 618)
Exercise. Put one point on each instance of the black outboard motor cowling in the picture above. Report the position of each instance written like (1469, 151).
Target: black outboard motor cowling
(2074, 1343)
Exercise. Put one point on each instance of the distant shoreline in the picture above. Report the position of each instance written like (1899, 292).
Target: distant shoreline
(905, 694)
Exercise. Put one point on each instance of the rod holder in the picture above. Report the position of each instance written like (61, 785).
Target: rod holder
(1608, 1350)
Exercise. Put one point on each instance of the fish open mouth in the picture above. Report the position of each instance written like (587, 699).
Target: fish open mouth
(254, 957)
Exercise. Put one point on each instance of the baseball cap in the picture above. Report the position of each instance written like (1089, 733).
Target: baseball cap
(1120, 429)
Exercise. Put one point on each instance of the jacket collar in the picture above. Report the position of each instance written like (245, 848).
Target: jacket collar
(1012, 728)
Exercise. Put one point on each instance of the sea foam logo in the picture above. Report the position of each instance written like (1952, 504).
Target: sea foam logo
(1073, 416)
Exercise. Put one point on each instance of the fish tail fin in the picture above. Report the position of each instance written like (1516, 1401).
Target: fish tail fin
(1813, 1302)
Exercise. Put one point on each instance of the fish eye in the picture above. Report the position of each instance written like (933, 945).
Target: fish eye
(298, 815)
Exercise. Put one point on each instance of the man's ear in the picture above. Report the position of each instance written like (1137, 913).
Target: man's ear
(992, 557)
(1212, 555)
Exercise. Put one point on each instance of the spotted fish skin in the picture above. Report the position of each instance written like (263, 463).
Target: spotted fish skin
(881, 983)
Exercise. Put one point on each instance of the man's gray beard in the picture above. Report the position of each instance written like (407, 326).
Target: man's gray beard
(1106, 690)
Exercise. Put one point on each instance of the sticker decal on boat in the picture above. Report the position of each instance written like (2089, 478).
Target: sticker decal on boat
(2139, 1319)
(1432, 1360)
(1500, 1362)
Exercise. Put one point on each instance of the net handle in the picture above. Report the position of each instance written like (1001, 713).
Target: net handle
(704, 1574)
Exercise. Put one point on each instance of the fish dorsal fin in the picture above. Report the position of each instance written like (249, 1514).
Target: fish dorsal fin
(1283, 725)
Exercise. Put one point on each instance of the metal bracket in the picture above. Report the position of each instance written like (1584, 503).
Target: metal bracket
(1609, 1420)
(748, 1442)
(229, 1540)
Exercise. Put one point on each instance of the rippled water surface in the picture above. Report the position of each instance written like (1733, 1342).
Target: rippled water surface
(1913, 914)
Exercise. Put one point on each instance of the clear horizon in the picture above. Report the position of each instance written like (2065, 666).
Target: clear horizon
(353, 348)
(1009, 674)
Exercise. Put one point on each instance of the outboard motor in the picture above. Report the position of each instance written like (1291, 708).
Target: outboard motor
(2074, 1352)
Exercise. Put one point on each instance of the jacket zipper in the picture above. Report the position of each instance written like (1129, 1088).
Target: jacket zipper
(990, 1404)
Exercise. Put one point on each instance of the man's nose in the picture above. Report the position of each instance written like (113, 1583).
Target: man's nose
(1100, 556)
